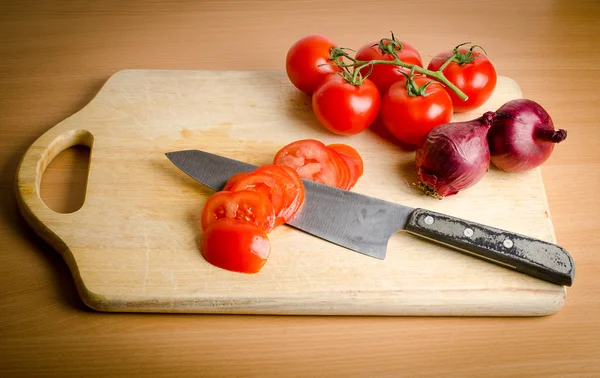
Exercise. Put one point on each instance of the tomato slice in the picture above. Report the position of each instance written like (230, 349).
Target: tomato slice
(262, 183)
(296, 206)
(350, 152)
(344, 169)
(274, 182)
(235, 245)
(233, 179)
(352, 158)
(290, 190)
(353, 171)
(311, 159)
(245, 205)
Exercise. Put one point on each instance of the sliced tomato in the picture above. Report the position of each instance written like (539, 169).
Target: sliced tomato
(311, 159)
(352, 158)
(232, 180)
(245, 205)
(274, 182)
(344, 169)
(235, 245)
(347, 176)
(262, 183)
(350, 152)
(295, 207)
(290, 189)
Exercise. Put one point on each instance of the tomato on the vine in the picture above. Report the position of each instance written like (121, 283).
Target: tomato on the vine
(471, 72)
(235, 245)
(409, 110)
(384, 75)
(344, 108)
(307, 62)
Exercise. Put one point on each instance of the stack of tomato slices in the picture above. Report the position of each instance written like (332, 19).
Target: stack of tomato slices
(337, 165)
(237, 219)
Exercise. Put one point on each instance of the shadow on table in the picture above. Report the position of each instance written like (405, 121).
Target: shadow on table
(13, 218)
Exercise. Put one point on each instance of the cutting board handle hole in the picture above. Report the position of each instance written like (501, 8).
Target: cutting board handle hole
(63, 181)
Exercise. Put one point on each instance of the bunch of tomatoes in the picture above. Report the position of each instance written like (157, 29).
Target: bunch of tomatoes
(387, 79)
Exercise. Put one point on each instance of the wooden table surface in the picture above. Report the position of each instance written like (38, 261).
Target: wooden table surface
(55, 55)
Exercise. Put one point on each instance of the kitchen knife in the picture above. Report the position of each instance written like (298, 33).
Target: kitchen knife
(364, 224)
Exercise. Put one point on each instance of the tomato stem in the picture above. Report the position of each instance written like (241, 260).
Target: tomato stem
(448, 61)
(412, 88)
(466, 57)
(337, 53)
(439, 75)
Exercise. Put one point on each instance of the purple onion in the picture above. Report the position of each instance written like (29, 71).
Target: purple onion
(522, 136)
(454, 156)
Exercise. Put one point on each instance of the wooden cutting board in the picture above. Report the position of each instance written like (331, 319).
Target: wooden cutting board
(133, 244)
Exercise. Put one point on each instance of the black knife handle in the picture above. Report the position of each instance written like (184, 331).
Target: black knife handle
(534, 257)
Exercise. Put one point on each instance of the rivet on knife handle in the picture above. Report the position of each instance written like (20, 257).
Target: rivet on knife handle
(534, 257)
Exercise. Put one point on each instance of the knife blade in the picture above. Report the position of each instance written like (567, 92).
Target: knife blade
(365, 224)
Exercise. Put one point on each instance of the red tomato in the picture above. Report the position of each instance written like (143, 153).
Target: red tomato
(311, 159)
(235, 245)
(477, 78)
(353, 158)
(344, 108)
(233, 179)
(245, 205)
(307, 62)
(410, 118)
(385, 75)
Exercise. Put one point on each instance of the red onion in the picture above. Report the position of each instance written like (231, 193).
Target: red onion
(454, 156)
(522, 136)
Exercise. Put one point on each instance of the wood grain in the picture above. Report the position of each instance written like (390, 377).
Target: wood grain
(133, 246)
(57, 54)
